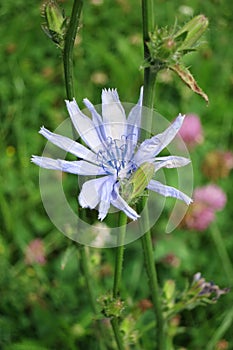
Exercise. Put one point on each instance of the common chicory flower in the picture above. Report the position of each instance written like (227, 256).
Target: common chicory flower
(113, 154)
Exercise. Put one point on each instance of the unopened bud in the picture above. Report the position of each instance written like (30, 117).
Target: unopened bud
(194, 29)
(55, 22)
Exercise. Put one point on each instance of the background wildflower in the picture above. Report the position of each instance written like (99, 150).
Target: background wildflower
(191, 131)
(207, 200)
(35, 252)
(217, 164)
(211, 195)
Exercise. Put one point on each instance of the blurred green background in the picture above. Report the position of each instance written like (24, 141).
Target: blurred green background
(45, 306)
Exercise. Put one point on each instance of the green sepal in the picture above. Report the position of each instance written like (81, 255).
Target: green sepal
(135, 186)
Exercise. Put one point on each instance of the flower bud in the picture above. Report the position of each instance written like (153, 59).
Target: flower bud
(194, 29)
(111, 307)
(55, 21)
(217, 164)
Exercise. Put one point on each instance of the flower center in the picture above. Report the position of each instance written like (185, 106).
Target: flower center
(116, 157)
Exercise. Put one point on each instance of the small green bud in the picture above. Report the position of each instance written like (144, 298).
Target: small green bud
(194, 29)
(111, 307)
(55, 22)
(138, 181)
(169, 290)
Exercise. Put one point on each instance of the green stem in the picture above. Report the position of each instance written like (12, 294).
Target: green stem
(147, 247)
(115, 327)
(148, 24)
(68, 48)
(119, 254)
(148, 101)
(118, 274)
(69, 84)
(88, 278)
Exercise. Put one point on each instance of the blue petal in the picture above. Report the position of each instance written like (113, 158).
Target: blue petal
(118, 202)
(113, 113)
(84, 126)
(151, 147)
(74, 167)
(134, 120)
(69, 145)
(168, 191)
(90, 194)
(105, 197)
(97, 120)
(170, 162)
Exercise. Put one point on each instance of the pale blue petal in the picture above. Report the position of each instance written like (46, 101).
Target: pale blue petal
(105, 197)
(113, 113)
(74, 167)
(90, 194)
(134, 121)
(84, 126)
(69, 145)
(168, 191)
(151, 147)
(170, 162)
(118, 202)
(97, 120)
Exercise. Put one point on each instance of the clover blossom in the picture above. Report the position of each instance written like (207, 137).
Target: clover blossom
(113, 154)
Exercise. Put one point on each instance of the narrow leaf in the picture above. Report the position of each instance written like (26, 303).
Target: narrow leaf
(189, 80)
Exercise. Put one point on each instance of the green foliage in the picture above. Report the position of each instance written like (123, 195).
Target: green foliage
(45, 307)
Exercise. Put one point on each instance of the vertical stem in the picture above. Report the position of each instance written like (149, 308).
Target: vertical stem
(69, 84)
(119, 254)
(147, 247)
(118, 274)
(88, 278)
(148, 24)
(68, 48)
(148, 100)
(115, 327)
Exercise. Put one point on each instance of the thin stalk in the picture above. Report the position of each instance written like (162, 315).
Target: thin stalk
(68, 75)
(69, 85)
(115, 327)
(146, 240)
(148, 24)
(88, 277)
(117, 275)
(147, 247)
(68, 47)
(119, 254)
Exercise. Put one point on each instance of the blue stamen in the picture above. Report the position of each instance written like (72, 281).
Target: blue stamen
(115, 156)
